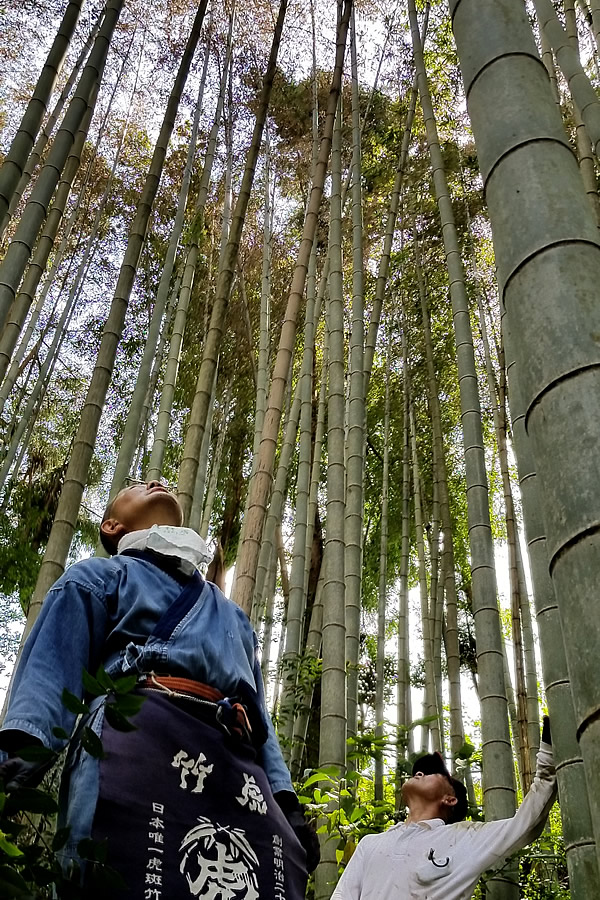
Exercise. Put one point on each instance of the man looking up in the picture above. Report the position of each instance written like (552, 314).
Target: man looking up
(197, 799)
(435, 855)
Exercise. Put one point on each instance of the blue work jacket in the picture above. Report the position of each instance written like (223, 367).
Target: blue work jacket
(104, 611)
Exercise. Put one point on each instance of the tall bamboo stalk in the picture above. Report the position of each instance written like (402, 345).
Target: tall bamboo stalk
(390, 228)
(133, 421)
(305, 511)
(548, 60)
(48, 128)
(517, 585)
(403, 685)
(22, 302)
(546, 245)
(429, 702)
(36, 209)
(498, 777)
(163, 423)
(315, 475)
(267, 616)
(312, 651)
(382, 598)
(332, 735)
(582, 91)
(210, 350)
(23, 141)
(333, 682)
(216, 466)
(260, 484)
(28, 410)
(24, 298)
(197, 509)
(447, 563)
(295, 617)
(68, 505)
(262, 372)
(595, 14)
(582, 139)
(157, 368)
(277, 498)
(355, 443)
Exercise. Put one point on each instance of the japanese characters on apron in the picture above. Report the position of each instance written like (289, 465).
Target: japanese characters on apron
(188, 812)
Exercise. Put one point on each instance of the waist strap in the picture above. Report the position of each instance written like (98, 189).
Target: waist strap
(172, 683)
(229, 714)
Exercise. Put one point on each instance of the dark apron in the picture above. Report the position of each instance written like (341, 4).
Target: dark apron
(188, 812)
(185, 808)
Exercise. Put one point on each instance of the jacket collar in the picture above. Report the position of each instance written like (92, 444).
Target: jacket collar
(169, 540)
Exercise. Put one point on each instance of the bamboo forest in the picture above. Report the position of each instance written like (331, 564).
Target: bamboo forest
(326, 271)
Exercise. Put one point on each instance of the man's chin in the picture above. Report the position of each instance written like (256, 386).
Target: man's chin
(164, 500)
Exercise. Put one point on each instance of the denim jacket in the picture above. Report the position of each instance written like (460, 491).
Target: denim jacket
(103, 611)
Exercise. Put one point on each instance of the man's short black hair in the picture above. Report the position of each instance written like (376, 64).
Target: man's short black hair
(109, 543)
(433, 764)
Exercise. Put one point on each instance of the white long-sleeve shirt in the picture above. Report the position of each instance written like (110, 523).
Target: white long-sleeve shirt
(430, 860)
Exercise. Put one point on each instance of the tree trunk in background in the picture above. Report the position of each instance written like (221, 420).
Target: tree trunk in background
(355, 455)
(210, 351)
(295, 617)
(68, 506)
(197, 509)
(18, 154)
(582, 139)
(518, 588)
(133, 422)
(403, 686)
(22, 303)
(313, 649)
(216, 466)
(267, 617)
(161, 433)
(381, 607)
(390, 231)
(498, 773)
(262, 372)
(429, 702)
(548, 60)
(448, 567)
(332, 736)
(582, 91)
(277, 499)
(546, 245)
(260, 484)
(36, 210)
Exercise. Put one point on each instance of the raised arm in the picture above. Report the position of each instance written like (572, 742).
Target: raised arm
(499, 840)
